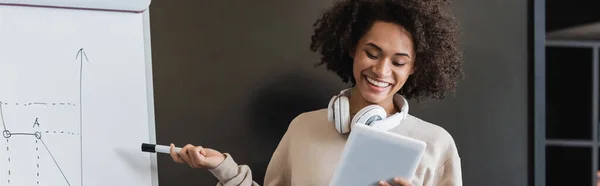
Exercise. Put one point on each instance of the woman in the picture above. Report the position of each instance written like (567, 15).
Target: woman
(390, 50)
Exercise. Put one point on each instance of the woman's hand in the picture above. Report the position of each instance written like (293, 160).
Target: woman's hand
(397, 180)
(197, 156)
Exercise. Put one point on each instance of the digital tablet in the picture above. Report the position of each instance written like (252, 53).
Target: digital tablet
(371, 155)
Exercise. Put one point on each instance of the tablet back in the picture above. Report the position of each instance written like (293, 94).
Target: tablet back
(371, 155)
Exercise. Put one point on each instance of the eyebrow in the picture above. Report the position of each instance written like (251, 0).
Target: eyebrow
(378, 48)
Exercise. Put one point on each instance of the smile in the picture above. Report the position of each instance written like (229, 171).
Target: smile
(377, 83)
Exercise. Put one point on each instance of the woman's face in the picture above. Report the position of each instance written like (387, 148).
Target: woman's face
(383, 60)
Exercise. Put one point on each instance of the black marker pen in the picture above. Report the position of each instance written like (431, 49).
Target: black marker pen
(146, 147)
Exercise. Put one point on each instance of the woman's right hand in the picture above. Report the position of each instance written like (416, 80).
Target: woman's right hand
(197, 156)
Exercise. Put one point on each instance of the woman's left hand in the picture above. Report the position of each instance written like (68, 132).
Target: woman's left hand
(396, 180)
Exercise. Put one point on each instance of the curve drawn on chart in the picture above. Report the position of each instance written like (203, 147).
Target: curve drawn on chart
(38, 135)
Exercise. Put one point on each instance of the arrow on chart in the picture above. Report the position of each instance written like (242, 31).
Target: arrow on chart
(82, 53)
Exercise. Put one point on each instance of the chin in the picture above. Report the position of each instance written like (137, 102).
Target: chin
(371, 98)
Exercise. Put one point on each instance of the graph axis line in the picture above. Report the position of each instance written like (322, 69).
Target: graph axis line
(83, 54)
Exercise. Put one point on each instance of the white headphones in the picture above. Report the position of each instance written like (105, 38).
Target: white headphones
(372, 115)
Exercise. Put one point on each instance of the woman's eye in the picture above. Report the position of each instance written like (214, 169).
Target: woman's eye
(370, 55)
(398, 64)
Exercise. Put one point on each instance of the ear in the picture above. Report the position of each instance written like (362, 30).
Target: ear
(351, 53)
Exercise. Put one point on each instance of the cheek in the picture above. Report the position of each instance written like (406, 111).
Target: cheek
(401, 76)
(358, 66)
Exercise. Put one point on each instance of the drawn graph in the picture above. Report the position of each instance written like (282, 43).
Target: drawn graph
(43, 138)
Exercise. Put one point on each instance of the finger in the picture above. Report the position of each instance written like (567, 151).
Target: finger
(175, 156)
(197, 158)
(402, 182)
(203, 152)
(184, 154)
(384, 183)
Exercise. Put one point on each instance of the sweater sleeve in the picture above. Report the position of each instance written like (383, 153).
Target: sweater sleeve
(278, 173)
(229, 173)
(449, 174)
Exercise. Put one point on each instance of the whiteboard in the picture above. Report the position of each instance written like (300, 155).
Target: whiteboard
(75, 97)
(112, 5)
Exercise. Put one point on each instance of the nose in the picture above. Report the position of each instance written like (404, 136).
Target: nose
(382, 68)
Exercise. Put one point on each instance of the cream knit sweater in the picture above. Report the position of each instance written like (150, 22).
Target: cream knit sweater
(311, 147)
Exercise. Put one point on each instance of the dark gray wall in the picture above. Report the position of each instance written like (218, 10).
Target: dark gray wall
(227, 76)
(488, 115)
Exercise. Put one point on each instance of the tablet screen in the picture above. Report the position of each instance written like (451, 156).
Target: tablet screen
(371, 155)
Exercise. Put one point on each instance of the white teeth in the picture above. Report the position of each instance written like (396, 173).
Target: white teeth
(377, 83)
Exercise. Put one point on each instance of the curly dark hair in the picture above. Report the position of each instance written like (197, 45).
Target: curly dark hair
(433, 29)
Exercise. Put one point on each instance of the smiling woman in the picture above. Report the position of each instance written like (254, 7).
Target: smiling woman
(391, 51)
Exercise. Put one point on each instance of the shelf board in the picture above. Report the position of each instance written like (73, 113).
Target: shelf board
(587, 32)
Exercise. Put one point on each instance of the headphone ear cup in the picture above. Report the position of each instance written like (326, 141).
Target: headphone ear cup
(369, 115)
(342, 114)
(330, 109)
